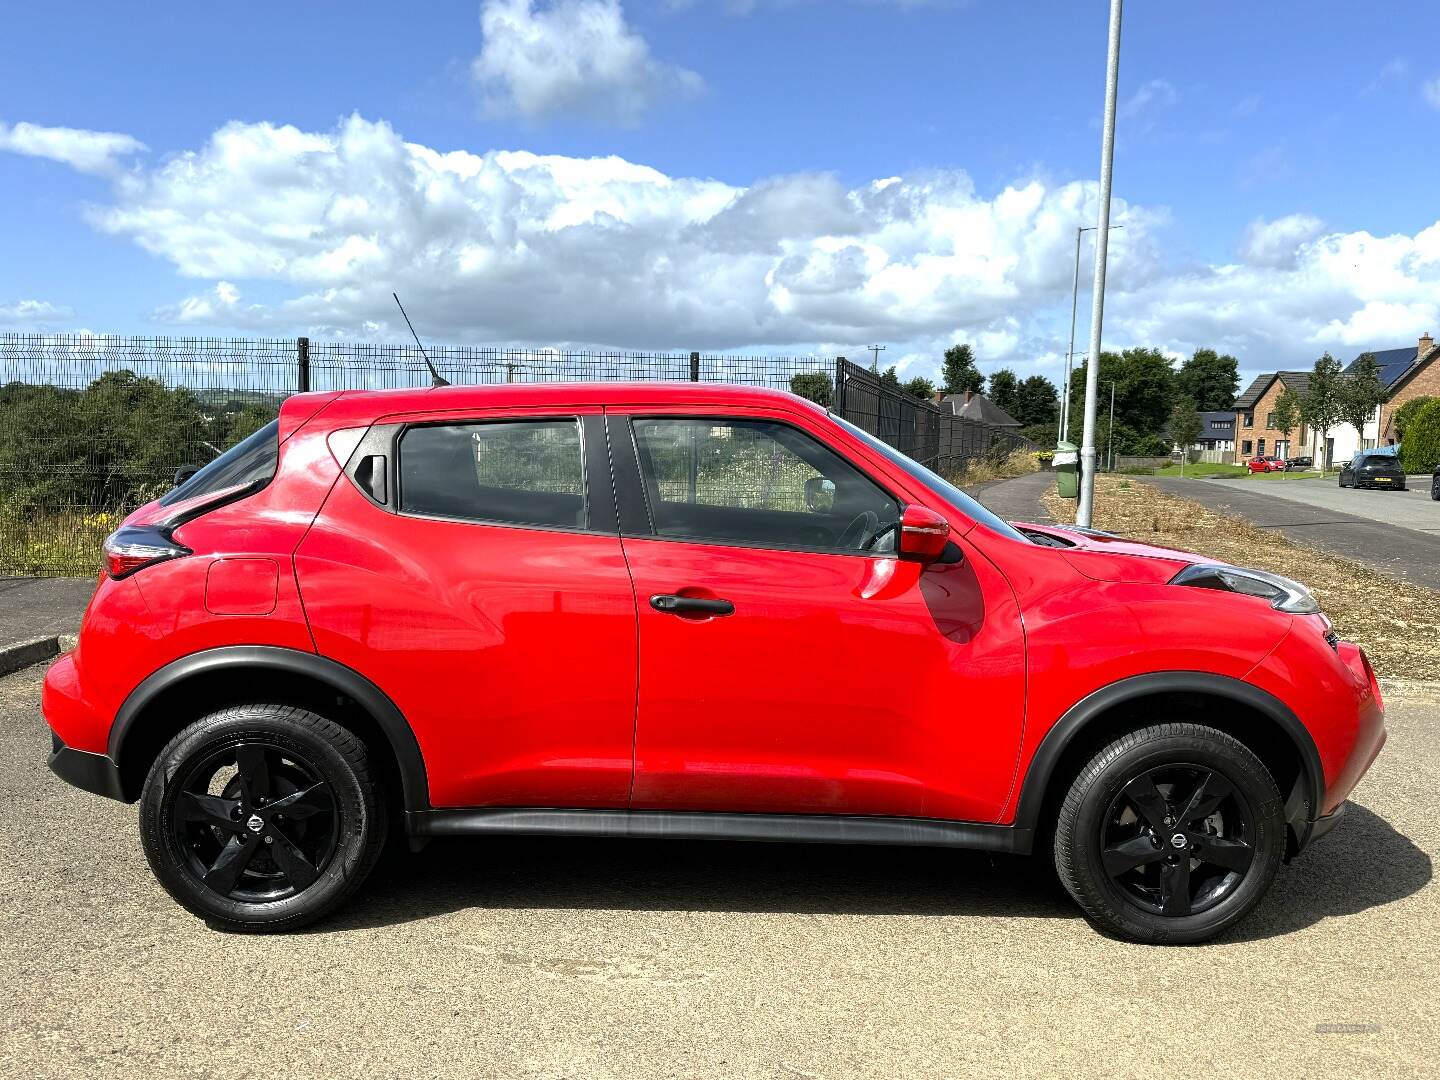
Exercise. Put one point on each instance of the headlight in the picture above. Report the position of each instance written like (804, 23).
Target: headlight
(1282, 593)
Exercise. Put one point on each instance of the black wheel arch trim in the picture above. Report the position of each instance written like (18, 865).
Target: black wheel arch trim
(261, 658)
(1302, 803)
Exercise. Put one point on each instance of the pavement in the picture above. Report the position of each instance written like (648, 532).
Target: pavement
(1017, 499)
(636, 959)
(38, 606)
(1395, 532)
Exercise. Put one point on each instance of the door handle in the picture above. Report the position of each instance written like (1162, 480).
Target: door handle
(690, 605)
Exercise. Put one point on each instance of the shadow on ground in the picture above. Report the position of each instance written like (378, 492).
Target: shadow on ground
(1364, 863)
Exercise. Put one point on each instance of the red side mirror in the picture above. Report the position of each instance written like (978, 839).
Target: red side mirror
(923, 534)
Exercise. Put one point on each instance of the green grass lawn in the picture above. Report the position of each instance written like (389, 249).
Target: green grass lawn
(1205, 469)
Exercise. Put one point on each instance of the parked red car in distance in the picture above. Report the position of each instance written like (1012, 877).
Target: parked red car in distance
(1266, 464)
(683, 611)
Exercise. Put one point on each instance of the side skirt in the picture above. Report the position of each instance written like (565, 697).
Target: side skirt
(674, 825)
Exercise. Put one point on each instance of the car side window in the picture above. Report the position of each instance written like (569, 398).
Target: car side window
(758, 482)
(516, 472)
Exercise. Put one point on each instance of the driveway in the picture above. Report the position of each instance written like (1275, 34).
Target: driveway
(636, 959)
(1395, 532)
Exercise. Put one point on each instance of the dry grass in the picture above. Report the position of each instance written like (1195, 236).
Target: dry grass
(983, 470)
(1397, 624)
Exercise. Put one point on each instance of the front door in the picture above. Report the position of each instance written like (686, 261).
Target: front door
(789, 663)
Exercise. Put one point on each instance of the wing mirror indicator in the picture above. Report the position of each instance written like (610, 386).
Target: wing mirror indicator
(924, 534)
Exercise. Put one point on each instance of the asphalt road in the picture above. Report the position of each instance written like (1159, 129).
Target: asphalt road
(613, 959)
(1396, 532)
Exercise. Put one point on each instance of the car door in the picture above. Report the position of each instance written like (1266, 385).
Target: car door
(789, 662)
(471, 567)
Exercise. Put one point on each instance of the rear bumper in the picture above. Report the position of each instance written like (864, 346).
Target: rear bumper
(90, 772)
(1314, 830)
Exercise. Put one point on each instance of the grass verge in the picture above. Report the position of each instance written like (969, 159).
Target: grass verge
(1396, 623)
(985, 470)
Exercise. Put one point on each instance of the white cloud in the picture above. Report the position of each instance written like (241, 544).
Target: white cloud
(1393, 71)
(514, 247)
(1277, 243)
(86, 151)
(1431, 92)
(571, 56)
(30, 312)
(1150, 98)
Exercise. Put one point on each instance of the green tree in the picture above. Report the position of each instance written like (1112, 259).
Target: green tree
(1144, 392)
(1036, 402)
(1420, 452)
(890, 379)
(1321, 408)
(959, 372)
(1184, 427)
(1004, 390)
(815, 385)
(1287, 412)
(1361, 392)
(1210, 379)
(920, 387)
(1402, 416)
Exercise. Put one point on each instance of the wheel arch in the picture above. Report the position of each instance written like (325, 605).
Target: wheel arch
(194, 685)
(1256, 718)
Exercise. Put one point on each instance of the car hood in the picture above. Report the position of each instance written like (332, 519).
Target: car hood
(1103, 556)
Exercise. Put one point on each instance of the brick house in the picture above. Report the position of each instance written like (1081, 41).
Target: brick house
(1409, 373)
(1255, 431)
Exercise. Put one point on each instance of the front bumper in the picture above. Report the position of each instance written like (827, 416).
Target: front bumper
(90, 772)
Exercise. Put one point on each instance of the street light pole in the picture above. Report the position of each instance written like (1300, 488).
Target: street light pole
(1070, 353)
(1110, 450)
(1086, 510)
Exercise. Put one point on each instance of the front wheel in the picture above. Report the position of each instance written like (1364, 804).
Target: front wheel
(1170, 834)
(1435, 489)
(262, 817)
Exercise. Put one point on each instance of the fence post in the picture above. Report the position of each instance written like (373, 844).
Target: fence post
(694, 367)
(840, 387)
(302, 364)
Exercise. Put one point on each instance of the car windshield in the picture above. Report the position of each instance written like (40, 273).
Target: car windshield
(937, 483)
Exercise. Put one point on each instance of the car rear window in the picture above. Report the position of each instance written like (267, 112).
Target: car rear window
(508, 472)
(251, 461)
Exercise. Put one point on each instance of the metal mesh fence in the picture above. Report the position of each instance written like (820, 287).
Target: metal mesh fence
(91, 427)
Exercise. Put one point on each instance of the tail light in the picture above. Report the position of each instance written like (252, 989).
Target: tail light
(132, 547)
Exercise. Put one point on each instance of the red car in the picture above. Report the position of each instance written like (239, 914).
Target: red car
(1266, 464)
(683, 611)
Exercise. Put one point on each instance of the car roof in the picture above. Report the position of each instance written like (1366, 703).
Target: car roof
(354, 405)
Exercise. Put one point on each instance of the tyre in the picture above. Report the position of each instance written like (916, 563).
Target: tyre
(1170, 834)
(262, 817)
(1435, 489)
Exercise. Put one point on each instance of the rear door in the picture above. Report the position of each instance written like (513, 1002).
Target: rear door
(471, 567)
(789, 663)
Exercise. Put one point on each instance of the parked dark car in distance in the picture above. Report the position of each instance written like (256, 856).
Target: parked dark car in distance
(1435, 484)
(1300, 463)
(1372, 470)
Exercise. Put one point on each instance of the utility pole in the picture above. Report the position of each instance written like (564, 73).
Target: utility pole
(1086, 510)
(877, 350)
(1070, 355)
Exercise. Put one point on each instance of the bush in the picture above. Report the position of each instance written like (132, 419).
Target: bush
(1406, 413)
(1420, 451)
(815, 385)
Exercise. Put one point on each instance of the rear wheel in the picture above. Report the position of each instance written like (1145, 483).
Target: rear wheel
(1435, 488)
(262, 817)
(1170, 834)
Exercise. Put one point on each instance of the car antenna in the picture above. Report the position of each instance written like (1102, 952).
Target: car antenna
(435, 379)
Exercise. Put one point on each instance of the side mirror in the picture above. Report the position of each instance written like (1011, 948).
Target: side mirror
(819, 495)
(923, 535)
(184, 472)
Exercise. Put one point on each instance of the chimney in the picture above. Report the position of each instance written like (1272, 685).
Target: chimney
(939, 397)
(968, 395)
(1426, 344)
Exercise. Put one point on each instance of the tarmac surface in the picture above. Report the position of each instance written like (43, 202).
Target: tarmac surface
(32, 607)
(635, 959)
(1395, 532)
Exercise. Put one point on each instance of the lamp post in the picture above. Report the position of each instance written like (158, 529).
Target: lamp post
(1086, 510)
(1110, 450)
(1070, 353)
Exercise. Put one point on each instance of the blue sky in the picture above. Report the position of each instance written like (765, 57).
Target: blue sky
(801, 175)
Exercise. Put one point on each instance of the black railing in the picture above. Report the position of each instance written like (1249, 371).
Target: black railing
(91, 427)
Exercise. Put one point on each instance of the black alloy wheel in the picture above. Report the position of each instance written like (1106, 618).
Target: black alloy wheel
(256, 822)
(1176, 841)
(262, 817)
(1435, 488)
(1170, 834)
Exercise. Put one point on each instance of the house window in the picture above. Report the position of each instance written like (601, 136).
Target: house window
(1249, 419)
(1245, 447)
(1260, 448)
(1270, 420)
